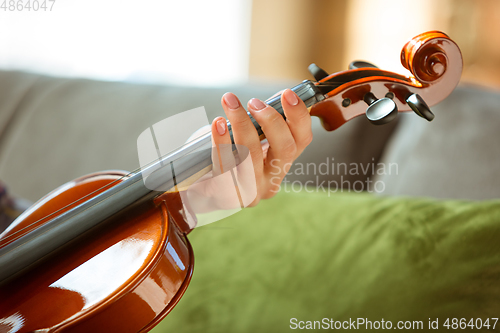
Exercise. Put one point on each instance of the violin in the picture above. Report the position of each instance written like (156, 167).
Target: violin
(106, 253)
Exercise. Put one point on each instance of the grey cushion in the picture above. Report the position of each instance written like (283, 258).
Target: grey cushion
(455, 156)
(14, 86)
(346, 151)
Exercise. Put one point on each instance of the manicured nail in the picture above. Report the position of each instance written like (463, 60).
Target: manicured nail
(256, 104)
(290, 97)
(231, 100)
(221, 126)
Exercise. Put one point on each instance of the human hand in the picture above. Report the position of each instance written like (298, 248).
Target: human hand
(286, 139)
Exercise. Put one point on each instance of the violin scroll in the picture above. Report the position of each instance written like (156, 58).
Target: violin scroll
(435, 64)
(426, 60)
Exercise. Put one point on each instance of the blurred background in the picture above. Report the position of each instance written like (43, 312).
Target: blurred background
(161, 57)
(226, 42)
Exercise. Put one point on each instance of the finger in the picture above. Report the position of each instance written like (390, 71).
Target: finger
(217, 192)
(222, 157)
(298, 119)
(199, 132)
(244, 132)
(282, 148)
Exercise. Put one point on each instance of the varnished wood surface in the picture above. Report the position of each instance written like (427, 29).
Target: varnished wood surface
(124, 277)
(434, 61)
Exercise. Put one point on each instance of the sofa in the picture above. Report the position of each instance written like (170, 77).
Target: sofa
(412, 238)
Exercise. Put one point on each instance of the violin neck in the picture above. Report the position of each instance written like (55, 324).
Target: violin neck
(171, 172)
(306, 91)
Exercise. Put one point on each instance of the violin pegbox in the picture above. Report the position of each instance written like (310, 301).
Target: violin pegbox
(435, 64)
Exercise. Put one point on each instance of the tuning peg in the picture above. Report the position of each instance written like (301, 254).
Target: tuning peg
(317, 72)
(380, 111)
(361, 64)
(421, 108)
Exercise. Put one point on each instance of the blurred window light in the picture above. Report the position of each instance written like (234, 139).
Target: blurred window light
(378, 30)
(192, 42)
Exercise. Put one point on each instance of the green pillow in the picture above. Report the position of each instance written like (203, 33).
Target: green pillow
(310, 256)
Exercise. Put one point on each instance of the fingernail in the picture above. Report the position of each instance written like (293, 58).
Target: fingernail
(221, 126)
(231, 100)
(256, 104)
(291, 98)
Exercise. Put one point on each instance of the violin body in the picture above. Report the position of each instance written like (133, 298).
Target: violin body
(124, 278)
(126, 271)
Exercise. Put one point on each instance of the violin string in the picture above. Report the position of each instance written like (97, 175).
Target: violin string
(26, 229)
(19, 233)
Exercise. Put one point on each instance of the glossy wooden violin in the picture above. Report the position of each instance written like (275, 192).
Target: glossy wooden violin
(106, 253)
